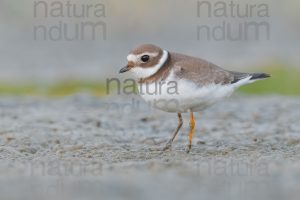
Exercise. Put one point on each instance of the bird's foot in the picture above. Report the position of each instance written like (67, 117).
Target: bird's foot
(168, 146)
(188, 148)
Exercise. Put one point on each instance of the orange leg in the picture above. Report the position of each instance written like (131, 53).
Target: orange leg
(192, 130)
(169, 143)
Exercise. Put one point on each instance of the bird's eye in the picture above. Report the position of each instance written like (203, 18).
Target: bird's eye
(145, 58)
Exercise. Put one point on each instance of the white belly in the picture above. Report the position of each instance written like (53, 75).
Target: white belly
(187, 96)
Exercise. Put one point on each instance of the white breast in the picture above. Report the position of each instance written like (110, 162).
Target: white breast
(188, 96)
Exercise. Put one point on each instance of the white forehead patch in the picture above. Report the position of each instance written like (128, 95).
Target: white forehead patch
(141, 72)
(132, 58)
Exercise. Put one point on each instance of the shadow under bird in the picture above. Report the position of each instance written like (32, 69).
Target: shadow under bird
(197, 82)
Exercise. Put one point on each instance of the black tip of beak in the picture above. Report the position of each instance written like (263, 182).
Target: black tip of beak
(124, 69)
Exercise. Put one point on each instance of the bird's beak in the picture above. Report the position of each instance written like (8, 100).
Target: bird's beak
(124, 69)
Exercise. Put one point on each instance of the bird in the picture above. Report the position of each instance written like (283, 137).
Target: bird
(178, 83)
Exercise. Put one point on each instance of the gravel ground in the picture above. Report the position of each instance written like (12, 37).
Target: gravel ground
(83, 147)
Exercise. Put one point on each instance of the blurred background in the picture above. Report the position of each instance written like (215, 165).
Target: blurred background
(50, 47)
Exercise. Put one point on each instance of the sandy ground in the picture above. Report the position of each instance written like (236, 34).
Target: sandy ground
(83, 147)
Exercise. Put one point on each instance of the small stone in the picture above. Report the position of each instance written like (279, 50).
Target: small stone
(144, 119)
(98, 124)
(201, 142)
(293, 142)
(10, 138)
(30, 150)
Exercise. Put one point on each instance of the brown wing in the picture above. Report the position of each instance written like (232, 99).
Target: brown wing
(202, 72)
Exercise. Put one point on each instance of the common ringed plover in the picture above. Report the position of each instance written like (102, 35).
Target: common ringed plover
(178, 83)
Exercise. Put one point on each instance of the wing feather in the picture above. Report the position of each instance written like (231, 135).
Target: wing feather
(202, 72)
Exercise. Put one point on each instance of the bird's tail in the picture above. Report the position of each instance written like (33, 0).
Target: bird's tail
(255, 76)
(247, 77)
